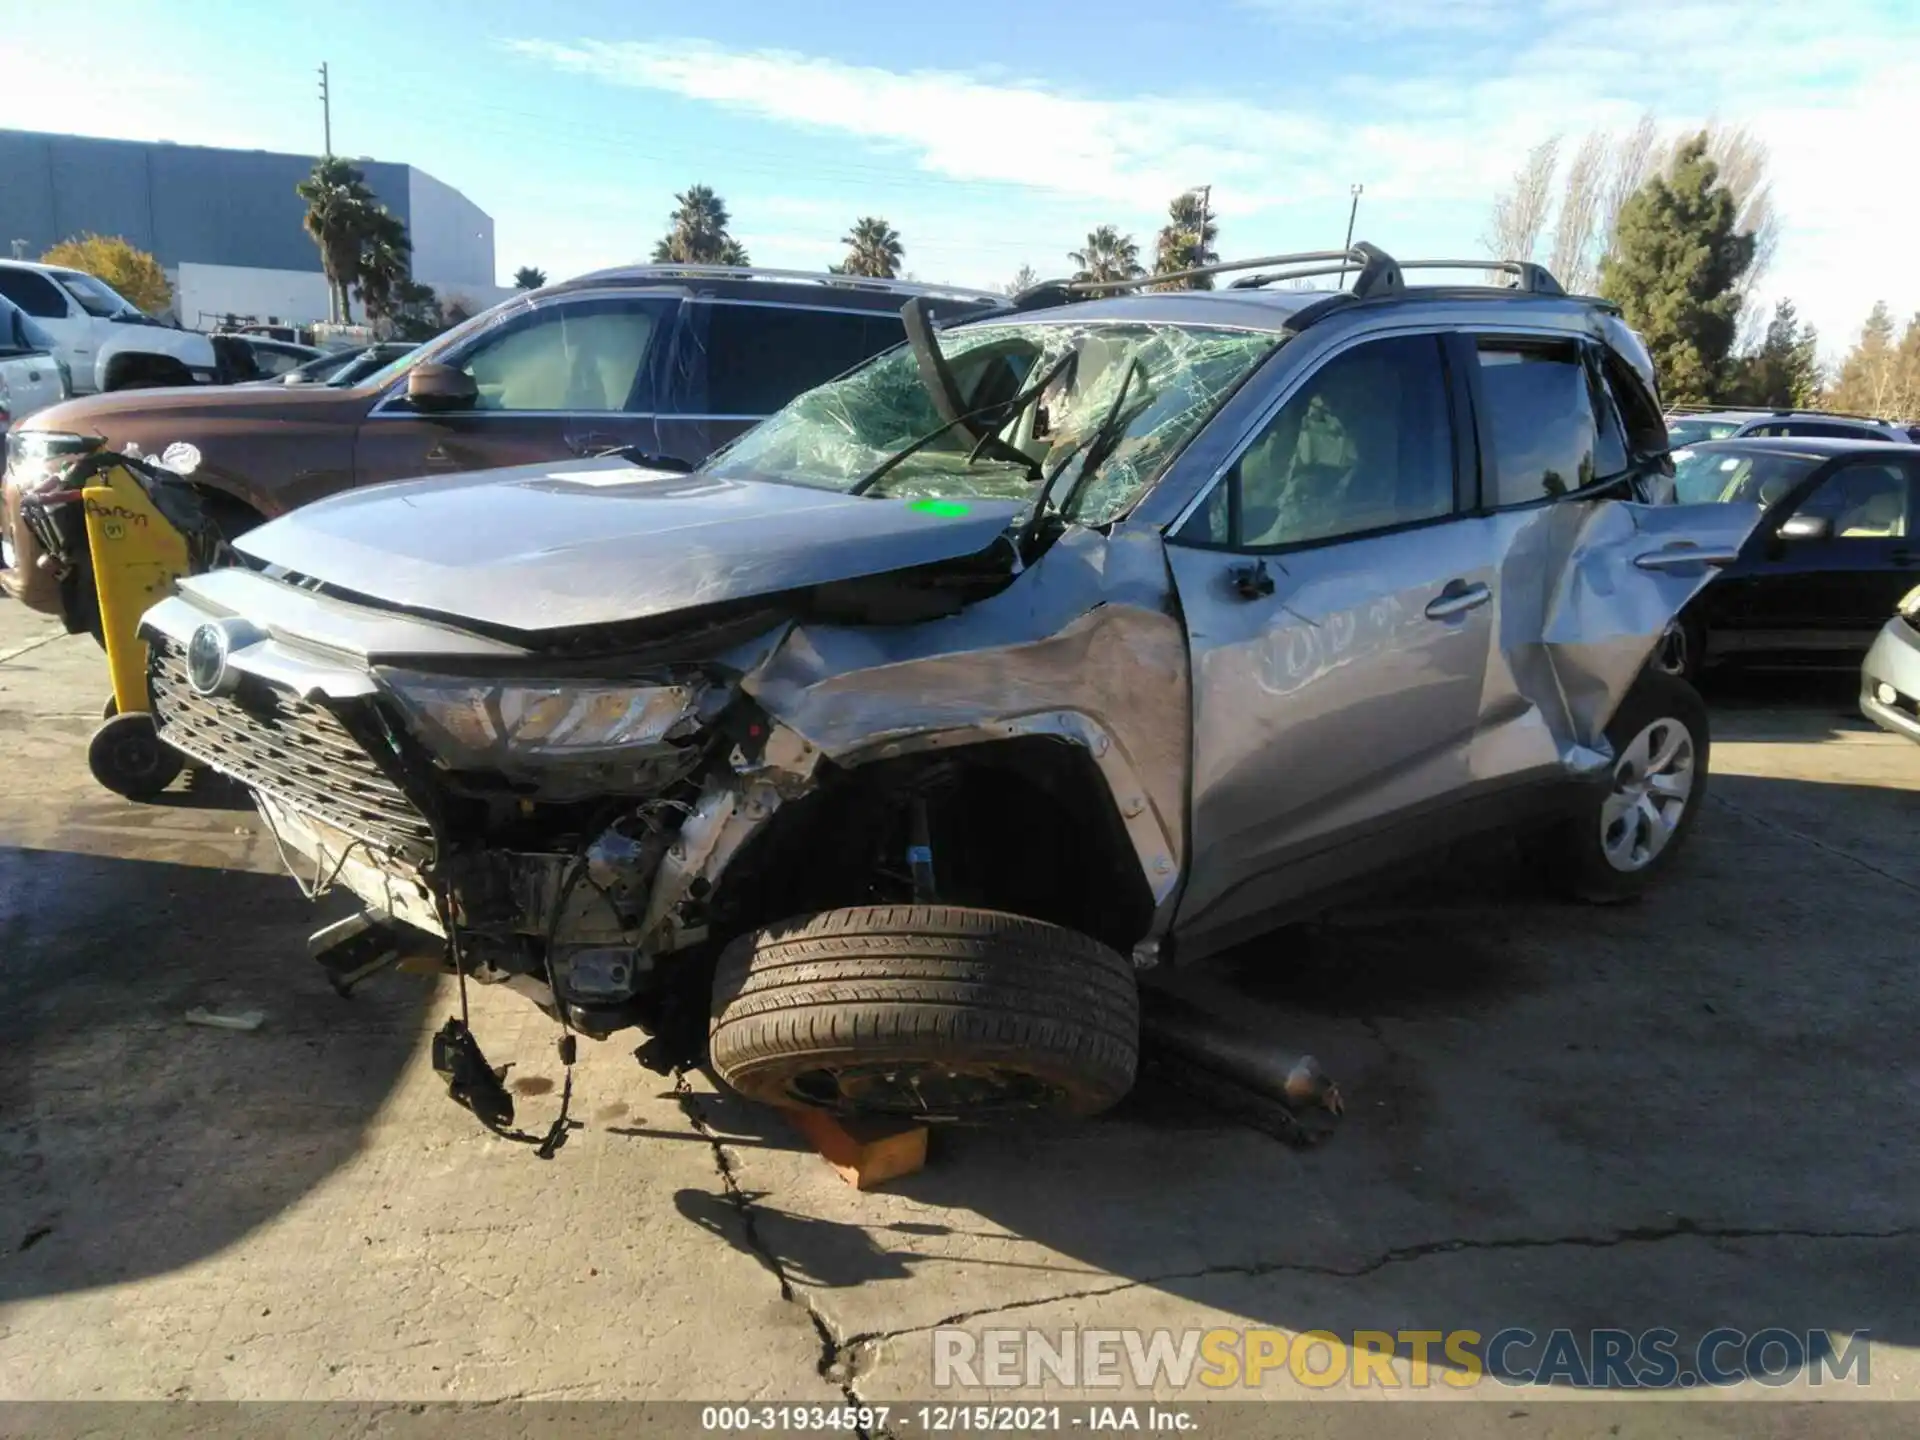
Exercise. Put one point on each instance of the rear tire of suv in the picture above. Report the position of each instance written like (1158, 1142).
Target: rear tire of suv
(926, 1012)
(1628, 830)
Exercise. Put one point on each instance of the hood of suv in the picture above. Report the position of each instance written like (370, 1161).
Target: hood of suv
(154, 418)
(597, 542)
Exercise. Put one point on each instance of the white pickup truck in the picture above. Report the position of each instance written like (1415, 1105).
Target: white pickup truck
(105, 340)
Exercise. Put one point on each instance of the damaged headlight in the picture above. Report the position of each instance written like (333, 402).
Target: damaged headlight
(476, 723)
(37, 458)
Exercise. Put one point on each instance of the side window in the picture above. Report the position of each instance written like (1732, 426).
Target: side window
(758, 357)
(273, 363)
(35, 294)
(1365, 444)
(1825, 429)
(1862, 502)
(584, 355)
(1539, 420)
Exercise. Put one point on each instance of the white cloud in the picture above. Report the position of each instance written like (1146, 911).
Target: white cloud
(1137, 151)
(1825, 86)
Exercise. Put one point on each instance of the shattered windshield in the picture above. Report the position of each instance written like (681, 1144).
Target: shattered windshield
(1049, 389)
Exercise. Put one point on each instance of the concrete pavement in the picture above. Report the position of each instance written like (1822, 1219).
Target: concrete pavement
(1696, 1111)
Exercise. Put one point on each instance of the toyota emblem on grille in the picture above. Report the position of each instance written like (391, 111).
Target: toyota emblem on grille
(207, 660)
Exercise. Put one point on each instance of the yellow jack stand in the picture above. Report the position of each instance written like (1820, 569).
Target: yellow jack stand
(137, 555)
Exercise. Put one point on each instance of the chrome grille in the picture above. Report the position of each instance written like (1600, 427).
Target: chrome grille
(269, 739)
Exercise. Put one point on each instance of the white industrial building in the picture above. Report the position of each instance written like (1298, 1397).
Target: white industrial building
(226, 224)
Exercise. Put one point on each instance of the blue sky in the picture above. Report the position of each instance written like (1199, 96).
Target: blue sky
(995, 134)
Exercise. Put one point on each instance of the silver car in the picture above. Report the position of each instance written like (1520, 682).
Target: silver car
(888, 743)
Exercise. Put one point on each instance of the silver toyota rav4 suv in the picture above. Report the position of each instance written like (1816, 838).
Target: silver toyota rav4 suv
(900, 733)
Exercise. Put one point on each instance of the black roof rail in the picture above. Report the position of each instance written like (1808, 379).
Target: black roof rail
(667, 270)
(1378, 275)
(1832, 414)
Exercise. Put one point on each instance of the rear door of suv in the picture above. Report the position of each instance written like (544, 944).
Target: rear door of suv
(739, 359)
(571, 375)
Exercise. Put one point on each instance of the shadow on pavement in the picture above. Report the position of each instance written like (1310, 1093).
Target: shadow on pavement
(133, 1143)
(1689, 1112)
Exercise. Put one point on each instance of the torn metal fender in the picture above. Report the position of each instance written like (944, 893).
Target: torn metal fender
(1585, 594)
(1084, 645)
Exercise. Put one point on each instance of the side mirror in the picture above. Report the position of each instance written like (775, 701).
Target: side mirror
(433, 388)
(1806, 527)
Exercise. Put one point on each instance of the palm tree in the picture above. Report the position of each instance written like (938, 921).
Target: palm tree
(698, 232)
(529, 277)
(1109, 256)
(873, 249)
(339, 211)
(384, 266)
(1186, 242)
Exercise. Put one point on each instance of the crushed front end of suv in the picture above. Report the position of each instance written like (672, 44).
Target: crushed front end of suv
(894, 738)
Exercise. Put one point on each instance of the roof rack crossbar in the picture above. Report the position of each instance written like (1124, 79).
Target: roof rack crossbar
(1224, 267)
(668, 271)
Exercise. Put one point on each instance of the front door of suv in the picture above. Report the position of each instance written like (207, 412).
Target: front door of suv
(1339, 619)
(562, 378)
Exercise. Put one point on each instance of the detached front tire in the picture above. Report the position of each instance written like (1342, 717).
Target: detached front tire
(1622, 836)
(931, 1012)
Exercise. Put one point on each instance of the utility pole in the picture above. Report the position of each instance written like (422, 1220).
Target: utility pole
(1206, 200)
(326, 111)
(1352, 210)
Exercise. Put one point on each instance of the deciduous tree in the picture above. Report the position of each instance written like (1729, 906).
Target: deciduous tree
(1881, 374)
(121, 264)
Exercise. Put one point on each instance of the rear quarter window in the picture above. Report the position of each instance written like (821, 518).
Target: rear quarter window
(1539, 420)
(758, 357)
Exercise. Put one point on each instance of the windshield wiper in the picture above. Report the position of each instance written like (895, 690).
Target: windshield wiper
(1008, 409)
(1105, 436)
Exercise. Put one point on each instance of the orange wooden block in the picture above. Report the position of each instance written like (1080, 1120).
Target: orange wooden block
(866, 1153)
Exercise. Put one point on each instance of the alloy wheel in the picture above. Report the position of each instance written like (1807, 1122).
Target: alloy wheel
(1652, 784)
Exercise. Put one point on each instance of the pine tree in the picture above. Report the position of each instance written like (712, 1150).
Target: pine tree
(1784, 372)
(1675, 271)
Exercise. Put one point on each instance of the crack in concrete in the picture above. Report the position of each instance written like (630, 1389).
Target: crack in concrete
(1681, 1228)
(1767, 823)
(840, 1361)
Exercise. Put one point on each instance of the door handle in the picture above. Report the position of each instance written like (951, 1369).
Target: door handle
(1679, 557)
(1905, 559)
(440, 455)
(1456, 599)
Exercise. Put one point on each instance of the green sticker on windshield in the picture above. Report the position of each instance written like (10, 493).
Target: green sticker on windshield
(940, 507)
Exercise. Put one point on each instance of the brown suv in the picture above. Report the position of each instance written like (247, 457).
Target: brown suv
(672, 362)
